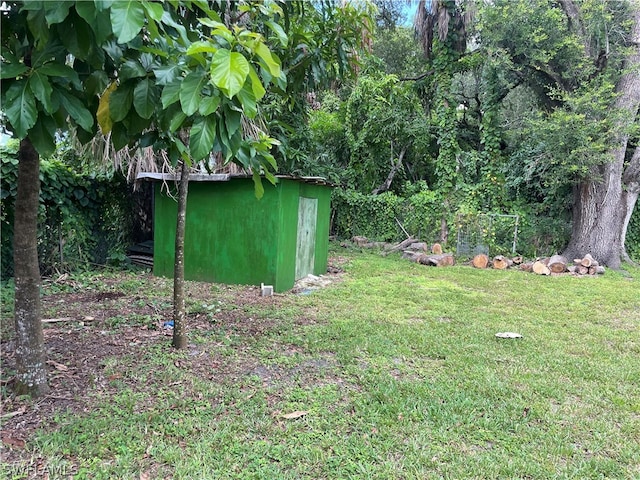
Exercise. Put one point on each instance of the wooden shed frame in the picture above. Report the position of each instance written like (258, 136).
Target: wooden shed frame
(234, 238)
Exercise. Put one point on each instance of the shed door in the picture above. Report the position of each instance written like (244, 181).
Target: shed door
(305, 249)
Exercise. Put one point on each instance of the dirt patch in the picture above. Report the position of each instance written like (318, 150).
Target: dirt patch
(97, 327)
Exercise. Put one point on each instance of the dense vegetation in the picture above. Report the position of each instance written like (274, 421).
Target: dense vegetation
(503, 109)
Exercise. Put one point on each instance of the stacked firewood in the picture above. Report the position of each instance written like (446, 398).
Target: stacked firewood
(586, 265)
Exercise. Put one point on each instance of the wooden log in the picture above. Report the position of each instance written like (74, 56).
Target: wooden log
(360, 241)
(373, 245)
(412, 255)
(480, 261)
(404, 244)
(596, 270)
(582, 270)
(526, 267)
(517, 260)
(557, 264)
(442, 260)
(436, 249)
(587, 260)
(540, 268)
(501, 263)
(418, 246)
(571, 269)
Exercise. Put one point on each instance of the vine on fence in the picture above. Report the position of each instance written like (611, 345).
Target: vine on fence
(83, 219)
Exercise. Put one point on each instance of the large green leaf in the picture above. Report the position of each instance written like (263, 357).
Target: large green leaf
(248, 100)
(167, 74)
(229, 71)
(12, 70)
(177, 120)
(120, 102)
(56, 12)
(201, 47)
(170, 94)
(42, 135)
(131, 69)
(232, 120)
(41, 88)
(273, 65)
(60, 70)
(190, 92)
(279, 31)
(202, 137)
(20, 107)
(208, 105)
(127, 18)
(76, 109)
(154, 10)
(145, 98)
(256, 84)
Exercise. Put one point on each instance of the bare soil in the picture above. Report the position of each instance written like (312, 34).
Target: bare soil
(96, 327)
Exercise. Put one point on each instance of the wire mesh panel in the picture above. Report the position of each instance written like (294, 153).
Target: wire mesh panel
(486, 233)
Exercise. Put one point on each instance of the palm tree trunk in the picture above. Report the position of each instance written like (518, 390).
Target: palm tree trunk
(30, 353)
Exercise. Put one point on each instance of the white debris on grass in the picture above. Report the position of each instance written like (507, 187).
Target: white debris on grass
(508, 335)
(310, 283)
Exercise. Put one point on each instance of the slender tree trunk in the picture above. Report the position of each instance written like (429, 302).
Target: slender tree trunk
(603, 206)
(631, 182)
(179, 314)
(30, 353)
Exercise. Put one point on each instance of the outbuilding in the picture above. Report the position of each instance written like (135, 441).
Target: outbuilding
(235, 238)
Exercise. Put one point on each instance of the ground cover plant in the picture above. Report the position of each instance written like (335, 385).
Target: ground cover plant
(391, 371)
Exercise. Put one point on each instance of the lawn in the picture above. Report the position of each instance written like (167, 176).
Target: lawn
(393, 371)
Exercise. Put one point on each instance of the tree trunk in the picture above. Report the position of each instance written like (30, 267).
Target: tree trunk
(31, 377)
(179, 314)
(392, 173)
(603, 205)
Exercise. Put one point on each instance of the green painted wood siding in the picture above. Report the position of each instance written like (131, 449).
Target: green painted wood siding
(232, 237)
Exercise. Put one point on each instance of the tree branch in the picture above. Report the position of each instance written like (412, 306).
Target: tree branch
(394, 168)
(419, 77)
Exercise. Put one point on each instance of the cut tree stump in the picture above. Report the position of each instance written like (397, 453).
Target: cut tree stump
(557, 264)
(526, 267)
(480, 261)
(442, 260)
(540, 268)
(588, 261)
(501, 263)
(582, 270)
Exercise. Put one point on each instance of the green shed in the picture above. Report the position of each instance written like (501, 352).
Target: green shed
(233, 237)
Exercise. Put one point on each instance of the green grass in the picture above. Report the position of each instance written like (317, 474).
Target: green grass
(401, 375)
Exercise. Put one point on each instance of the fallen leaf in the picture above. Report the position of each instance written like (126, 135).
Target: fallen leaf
(58, 366)
(296, 414)
(115, 376)
(13, 442)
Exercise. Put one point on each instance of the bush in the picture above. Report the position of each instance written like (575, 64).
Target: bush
(83, 219)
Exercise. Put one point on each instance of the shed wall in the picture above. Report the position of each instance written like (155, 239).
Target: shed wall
(232, 237)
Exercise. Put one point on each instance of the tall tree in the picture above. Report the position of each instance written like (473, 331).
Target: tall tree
(153, 74)
(565, 52)
(604, 202)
